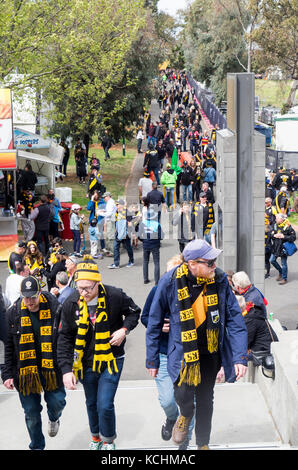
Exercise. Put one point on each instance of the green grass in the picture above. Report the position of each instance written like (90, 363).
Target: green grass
(273, 92)
(115, 172)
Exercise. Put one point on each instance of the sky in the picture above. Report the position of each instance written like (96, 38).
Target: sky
(171, 6)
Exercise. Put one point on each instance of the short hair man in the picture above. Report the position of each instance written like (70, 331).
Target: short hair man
(95, 336)
(63, 290)
(207, 331)
(13, 282)
(30, 359)
(16, 256)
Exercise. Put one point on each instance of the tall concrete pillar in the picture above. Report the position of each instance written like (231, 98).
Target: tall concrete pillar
(241, 183)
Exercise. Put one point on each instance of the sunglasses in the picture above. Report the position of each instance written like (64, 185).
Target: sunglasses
(209, 263)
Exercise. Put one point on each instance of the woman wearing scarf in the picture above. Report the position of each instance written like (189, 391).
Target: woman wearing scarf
(95, 322)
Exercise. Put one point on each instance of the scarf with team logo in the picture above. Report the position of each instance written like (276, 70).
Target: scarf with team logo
(29, 379)
(103, 354)
(208, 306)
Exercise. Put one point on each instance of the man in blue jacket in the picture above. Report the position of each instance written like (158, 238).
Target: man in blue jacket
(207, 331)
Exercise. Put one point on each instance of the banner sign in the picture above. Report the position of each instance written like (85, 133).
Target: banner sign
(8, 160)
(27, 140)
(6, 134)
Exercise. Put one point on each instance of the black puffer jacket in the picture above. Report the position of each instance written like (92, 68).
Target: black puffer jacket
(122, 312)
(260, 333)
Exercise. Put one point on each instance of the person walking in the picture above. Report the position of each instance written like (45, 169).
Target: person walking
(109, 222)
(150, 234)
(91, 347)
(281, 234)
(106, 143)
(42, 216)
(168, 179)
(75, 226)
(207, 331)
(30, 359)
(122, 236)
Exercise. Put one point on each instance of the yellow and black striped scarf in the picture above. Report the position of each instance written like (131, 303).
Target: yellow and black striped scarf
(210, 220)
(278, 200)
(103, 354)
(29, 379)
(190, 366)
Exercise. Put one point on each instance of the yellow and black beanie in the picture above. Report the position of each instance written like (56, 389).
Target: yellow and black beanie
(87, 270)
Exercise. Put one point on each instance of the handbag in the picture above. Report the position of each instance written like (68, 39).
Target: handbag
(290, 248)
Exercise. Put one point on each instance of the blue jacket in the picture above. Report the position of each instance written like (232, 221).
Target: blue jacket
(144, 319)
(65, 294)
(232, 329)
(91, 207)
(210, 175)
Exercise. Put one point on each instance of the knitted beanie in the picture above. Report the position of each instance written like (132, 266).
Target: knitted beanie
(87, 270)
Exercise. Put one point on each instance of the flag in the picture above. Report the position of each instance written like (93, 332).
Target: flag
(175, 165)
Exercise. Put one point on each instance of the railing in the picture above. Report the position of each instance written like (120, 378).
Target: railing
(210, 109)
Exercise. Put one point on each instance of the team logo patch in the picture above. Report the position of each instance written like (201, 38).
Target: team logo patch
(215, 316)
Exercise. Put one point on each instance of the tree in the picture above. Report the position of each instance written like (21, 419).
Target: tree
(277, 37)
(214, 43)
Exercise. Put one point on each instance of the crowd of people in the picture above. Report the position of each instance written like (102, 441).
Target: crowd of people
(64, 324)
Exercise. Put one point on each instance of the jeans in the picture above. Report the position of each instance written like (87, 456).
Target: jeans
(199, 399)
(187, 189)
(283, 269)
(31, 404)
(151, 140)
(127, 244)
(42, 235)
(76, 240)
(169, 193)
(107, 155)
(146, 256)
(100, 390)
(139, 145)
(165, 390)
(156, 174)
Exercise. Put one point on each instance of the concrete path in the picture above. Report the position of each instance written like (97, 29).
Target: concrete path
(241, 418)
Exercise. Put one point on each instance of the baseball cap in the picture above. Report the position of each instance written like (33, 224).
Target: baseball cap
(21, 244)
(106, 194)
(200, 249)
(202, 194)
(121, 202)
(30, 287)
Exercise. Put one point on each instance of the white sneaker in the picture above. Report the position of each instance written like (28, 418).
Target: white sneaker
(95, 445)
(53, 428)
(108, 446)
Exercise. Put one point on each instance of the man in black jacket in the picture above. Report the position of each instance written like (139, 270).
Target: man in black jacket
(187, 181)
(30, 359)
(95, 322)
(42, 216)
(152, 162)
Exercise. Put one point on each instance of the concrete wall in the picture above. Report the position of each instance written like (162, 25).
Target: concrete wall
(227, 203)
(281, 394)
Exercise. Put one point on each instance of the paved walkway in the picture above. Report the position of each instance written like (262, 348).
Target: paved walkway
(237, 424)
